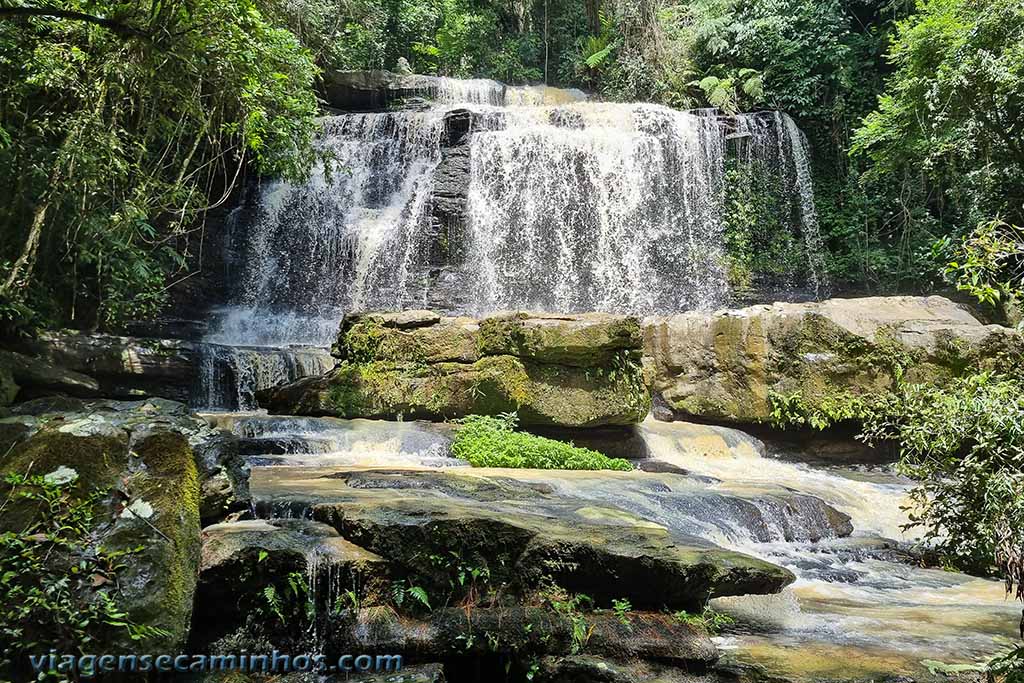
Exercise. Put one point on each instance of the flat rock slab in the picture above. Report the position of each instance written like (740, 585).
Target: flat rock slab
(521, 528)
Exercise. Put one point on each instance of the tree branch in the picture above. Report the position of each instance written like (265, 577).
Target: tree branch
(52, 12)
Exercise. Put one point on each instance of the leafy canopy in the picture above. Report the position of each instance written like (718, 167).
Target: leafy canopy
(121, 125)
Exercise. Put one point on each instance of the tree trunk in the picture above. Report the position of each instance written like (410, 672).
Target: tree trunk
(594, 16)
(28, 253)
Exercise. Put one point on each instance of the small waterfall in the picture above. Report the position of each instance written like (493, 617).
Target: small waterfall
(230, 376)
(606, 207)
(771, 142)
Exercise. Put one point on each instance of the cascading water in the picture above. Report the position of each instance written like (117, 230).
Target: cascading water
(230, 376)
(597, 207)
(565, 207)
(859, 610)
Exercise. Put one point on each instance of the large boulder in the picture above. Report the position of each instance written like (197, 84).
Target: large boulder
(134, 467)
(38, 377)
(736, 365)
(564, 371)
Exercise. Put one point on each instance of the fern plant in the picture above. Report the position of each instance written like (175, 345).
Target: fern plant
(740, 88)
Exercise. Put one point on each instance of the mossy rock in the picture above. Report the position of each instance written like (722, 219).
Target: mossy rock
(589, 340)
(577, 371)
(734, 365)
(638, 560)
(542, 394)
(138, 461)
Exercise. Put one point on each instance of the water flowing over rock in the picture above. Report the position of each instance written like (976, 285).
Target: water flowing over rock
(477, 204)
(228, 377)
(564, 371)
(731, 365)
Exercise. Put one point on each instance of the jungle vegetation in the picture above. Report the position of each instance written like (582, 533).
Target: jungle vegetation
(123, 123)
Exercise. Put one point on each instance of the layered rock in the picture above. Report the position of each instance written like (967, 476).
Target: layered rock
(525, 528)
(737, 365)
(123, 367)
(381, 90)
(24, 377)
(566, 371)
(266, 553)
(140, 466)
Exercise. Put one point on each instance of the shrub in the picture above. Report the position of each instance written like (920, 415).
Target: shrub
(964, 443)
(494, 442)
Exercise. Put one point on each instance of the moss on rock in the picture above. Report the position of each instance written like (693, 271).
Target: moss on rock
(736, 365)
(573, 371)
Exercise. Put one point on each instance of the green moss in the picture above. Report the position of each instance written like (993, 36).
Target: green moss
(493, 442)
(96, 459)
(169, 482)
(361, 341)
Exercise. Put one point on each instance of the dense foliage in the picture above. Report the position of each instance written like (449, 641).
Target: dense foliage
(121, 124)
(965, 444)
(494, 442)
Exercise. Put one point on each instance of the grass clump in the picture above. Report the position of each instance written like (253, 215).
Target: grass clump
(487, 441)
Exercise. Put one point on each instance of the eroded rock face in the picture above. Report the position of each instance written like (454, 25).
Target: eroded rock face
(124, 367)
(141, 460)
(240, 559)
(731, 364)
(565, 371)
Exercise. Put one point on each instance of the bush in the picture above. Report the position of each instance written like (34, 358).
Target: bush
(494, 442)
(964, 443)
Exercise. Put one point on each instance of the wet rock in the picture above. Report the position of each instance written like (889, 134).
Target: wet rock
(240, 559)
(522, 631)
(138, 459)
(643, 563)
(561, 371)
(728, 366)
(583, 668)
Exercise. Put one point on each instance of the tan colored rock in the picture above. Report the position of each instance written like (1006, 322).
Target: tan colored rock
(731, 364)
(563, 371)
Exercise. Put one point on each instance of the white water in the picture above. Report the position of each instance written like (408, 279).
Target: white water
(608, 207)
(571, 206)
(856, 610)
(230, 376)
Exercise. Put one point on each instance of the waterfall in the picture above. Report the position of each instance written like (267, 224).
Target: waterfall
(605, 207)
(551, 203)
(338, 240)
(229, 376)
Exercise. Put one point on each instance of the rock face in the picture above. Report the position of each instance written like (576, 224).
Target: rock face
(564, 371)
(24, 377)
(382, 90)
(733, 364)
(266, 552)
(143, 463)
(124, 367)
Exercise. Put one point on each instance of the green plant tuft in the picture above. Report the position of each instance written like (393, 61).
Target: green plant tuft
(487, 441)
